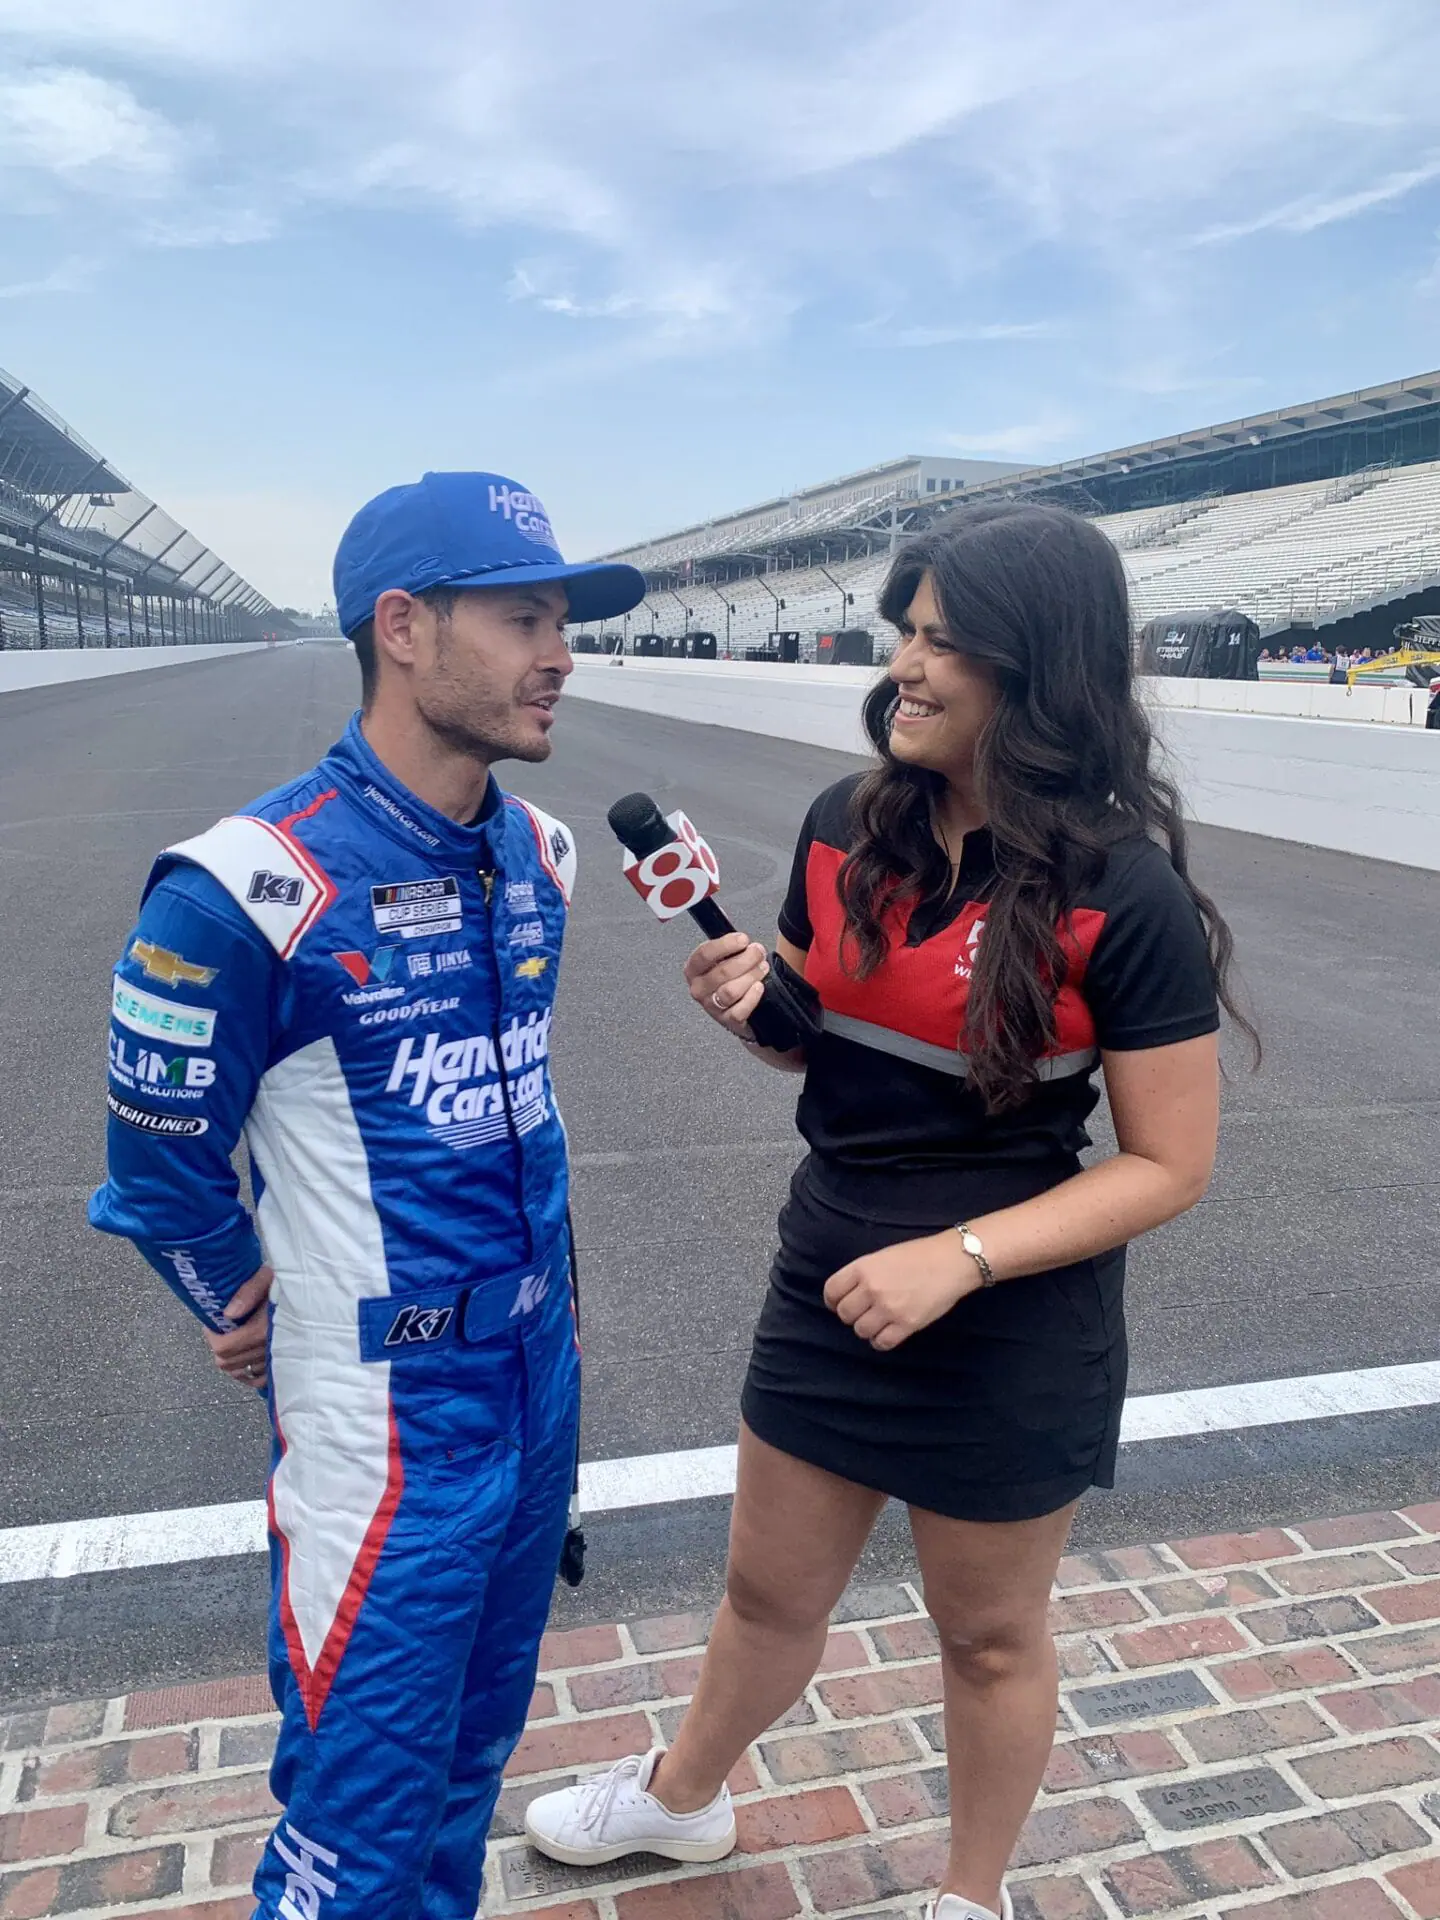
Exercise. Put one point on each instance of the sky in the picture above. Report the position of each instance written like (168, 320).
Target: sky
(659, 259)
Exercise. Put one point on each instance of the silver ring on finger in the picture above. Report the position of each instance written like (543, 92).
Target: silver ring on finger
(249, 1370)
(717, 1002)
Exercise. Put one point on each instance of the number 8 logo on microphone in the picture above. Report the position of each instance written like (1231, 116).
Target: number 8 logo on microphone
(676, 876)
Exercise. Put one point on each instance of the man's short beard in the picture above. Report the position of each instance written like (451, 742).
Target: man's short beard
(462, 738)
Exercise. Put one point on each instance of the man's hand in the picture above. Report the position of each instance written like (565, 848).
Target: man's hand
(241, 1354)
(884, 1297)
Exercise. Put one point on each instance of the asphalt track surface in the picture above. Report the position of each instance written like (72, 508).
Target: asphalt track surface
(1317, 1249)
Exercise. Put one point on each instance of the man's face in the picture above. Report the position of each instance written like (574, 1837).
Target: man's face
(486, 677)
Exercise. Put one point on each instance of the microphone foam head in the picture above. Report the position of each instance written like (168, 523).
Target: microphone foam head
(638, 824)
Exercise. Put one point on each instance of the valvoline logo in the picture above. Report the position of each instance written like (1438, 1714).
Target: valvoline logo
(365, 969)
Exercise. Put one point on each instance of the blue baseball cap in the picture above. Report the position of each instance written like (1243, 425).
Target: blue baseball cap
(466, 530)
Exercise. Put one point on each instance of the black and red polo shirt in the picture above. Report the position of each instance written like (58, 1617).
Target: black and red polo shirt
(885, 1085)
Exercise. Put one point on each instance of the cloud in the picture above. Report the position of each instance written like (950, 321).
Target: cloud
(995, 330)
(1045, 436)
(87, 131)
(1307, 214)
(71, 276)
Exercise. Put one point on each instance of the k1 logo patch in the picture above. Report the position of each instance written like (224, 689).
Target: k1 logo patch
(275, 889)
(415, 1326)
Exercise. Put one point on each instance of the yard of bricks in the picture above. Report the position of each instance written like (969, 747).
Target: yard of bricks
(1250, 1723)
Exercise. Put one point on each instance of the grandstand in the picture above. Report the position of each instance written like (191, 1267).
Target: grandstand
(1324, 516)
(86, 560)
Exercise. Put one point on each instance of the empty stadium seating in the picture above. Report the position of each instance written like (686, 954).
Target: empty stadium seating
(1312, 552)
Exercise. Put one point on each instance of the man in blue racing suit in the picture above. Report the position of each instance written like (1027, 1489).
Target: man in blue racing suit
(358, 973)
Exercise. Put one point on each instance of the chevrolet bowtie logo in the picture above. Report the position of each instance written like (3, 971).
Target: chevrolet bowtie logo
(160, 964)
(533, 968)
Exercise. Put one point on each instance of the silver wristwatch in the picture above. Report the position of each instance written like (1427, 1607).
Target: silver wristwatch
(970, 1241)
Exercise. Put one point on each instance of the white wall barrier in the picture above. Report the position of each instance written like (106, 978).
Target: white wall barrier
(46, 666)
(1354, 785)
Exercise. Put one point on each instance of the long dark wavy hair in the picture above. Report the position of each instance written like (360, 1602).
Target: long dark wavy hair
(1065, 768)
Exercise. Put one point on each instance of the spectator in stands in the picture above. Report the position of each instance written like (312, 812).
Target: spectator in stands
(995, 909)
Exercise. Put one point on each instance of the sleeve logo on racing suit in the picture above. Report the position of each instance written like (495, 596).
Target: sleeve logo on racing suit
(276, 889)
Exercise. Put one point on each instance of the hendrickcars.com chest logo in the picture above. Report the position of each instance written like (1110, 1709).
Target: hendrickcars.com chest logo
(460, 1087)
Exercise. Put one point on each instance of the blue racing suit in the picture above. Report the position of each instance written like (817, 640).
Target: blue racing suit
(364, 988)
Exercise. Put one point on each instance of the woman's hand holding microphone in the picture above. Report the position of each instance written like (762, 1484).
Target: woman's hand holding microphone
(727, 977)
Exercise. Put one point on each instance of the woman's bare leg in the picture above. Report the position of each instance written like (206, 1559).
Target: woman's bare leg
(987, 1588)
(795, 1535)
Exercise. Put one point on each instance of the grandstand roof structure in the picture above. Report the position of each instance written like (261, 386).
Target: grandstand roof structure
(1320, 515)
(871, 511)
(74, 531)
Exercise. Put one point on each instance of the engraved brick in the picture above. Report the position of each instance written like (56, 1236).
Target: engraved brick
(1349, 1837)
(1218, 1798)
(1156, 1694)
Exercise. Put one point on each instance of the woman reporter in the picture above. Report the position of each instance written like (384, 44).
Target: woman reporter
(997, 908)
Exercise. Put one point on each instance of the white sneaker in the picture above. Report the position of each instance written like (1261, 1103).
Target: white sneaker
(613, 1813)
(952, 1907)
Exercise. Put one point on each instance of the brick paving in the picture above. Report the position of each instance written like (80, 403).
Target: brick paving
(1250, 1724)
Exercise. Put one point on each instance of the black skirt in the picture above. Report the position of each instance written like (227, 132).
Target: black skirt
(1006, 1408)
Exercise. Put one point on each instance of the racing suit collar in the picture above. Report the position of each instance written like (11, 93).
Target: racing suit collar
(403, 814)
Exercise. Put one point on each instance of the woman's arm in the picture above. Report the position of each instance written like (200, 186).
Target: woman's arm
(727, 977)
(1166, 1106)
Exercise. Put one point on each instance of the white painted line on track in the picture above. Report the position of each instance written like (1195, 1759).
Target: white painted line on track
(61, 1549)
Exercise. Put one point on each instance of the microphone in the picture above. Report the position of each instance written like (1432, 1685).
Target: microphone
(674, 872)
(672, 869)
